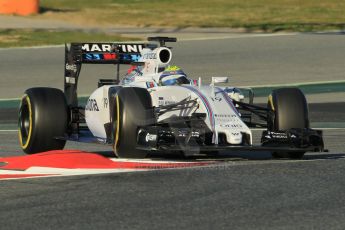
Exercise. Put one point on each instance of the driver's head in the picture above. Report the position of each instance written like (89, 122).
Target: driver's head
(173, 75)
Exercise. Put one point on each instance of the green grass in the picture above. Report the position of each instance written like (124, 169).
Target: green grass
(267, 15)
(21, 37)
(253, 15)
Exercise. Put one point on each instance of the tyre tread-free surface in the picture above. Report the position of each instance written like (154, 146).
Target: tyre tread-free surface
(290, 110)
(133, 109)
(43, 117)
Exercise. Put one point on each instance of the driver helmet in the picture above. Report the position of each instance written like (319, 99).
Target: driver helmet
(173, 75)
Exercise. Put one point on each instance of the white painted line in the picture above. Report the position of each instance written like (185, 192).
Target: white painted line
(9, 130)
(236, 37)
(258, 129)
(330, 128)
(64, 171)
(151, 161)
(18, 99)
(10, 99)
(33, 47)
(41, 172)
(273, 161)
(186, 39)
(297, 84)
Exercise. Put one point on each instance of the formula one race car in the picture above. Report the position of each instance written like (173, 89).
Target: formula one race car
(157, 108)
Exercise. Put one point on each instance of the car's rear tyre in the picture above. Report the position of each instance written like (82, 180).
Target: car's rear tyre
(289, 110)
(133, 109)
(43, 117)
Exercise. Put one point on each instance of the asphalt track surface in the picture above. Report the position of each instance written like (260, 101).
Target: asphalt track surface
(242, 191)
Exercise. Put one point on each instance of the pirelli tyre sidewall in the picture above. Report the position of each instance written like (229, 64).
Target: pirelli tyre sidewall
(133, 109)
(43, 117)
(289, 109)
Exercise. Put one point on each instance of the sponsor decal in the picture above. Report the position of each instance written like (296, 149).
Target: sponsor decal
(70, 80)
(96, 47)
(195, 134)
(225, 115)
(231, 125)
(231, 120)
(110, 56)
(130, 57)
(151, 137)
(72, 67)
(130, 48)
(216, 99)
(150, 84)
(150, 55)
(93, 57)
(278, 135)
(166, 102)
(109, 47)
(91, 105)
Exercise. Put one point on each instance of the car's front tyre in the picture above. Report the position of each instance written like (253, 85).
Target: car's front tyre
(133, 109)
(289, 110)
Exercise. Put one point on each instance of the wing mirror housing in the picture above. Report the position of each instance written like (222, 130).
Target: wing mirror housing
(217, 80)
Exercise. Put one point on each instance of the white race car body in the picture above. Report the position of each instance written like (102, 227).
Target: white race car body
(143, 112)
(156, 108)
(222, 115)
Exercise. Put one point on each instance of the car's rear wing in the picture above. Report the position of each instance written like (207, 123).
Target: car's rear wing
(105, 53)
(77, 54)
(101, 53)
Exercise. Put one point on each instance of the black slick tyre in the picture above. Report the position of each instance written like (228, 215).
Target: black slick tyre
(133, 109)
(289, 109)
(43, 118)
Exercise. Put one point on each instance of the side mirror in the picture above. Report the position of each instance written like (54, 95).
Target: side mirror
(216, 80)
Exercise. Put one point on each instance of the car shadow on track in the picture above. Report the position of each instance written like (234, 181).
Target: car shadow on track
(324, 156)
(234, 156)
(222, 156)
